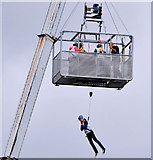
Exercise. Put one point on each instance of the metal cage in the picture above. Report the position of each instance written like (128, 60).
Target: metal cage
(89, 68)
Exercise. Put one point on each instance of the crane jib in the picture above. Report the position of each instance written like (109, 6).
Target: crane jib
(34, 80)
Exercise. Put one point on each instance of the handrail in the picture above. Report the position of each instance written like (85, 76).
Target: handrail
(97, 33)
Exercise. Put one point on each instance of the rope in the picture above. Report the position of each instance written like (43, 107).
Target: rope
(105, 29)
(89, 110)
(82, 44)
(88, 43)
(112, 17)
(72, 12)
(100, 41)
(119, 17)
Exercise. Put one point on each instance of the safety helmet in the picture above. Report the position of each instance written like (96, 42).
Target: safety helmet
(95, 5)
(98, 45)
(75, 44)
(80, 117)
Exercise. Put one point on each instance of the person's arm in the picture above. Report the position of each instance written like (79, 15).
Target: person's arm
(95, 50)
(78, 50)
(84, 125)
(113, 49)
(70, 48)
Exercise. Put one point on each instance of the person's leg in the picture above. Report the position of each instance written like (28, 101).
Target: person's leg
(89, 136)
(96, 140)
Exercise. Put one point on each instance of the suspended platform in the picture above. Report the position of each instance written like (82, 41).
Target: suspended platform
(88, 68)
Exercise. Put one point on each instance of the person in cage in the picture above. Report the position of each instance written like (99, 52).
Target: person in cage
(73, 58)
(115, 60)
(90, 135)
(75, 47)
(99, 48)
(114, 49)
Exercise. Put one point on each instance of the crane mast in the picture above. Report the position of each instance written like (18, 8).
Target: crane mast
(34, 79)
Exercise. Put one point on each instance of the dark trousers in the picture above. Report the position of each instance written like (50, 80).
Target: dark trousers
(91, 136)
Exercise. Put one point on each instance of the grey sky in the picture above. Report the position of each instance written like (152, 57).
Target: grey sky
(120, 119)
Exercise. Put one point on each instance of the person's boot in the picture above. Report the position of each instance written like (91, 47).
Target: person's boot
(96, 155)
(104, 150)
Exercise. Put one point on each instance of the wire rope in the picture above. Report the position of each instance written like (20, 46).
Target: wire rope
(111, 17)
(119, 17)
(72, 12)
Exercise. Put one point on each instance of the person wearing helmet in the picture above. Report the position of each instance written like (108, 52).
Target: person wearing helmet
(114, 49)
(75, 47)
(99, 49)
(90, 135)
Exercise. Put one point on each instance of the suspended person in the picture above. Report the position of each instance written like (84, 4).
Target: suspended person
(90, 135)
(116, 60)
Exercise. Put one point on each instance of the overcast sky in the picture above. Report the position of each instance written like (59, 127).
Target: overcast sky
(121, 119)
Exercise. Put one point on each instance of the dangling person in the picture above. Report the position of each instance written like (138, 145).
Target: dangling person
(90, 135)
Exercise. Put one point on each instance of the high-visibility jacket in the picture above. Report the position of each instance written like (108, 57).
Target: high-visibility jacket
(85, 126)
(99, 50)
(74, 48)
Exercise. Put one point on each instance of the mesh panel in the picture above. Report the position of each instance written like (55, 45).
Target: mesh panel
(56, 64)
(95, 65)
(87, 65)
(103, 66)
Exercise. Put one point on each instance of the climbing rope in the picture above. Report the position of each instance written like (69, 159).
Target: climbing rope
(90, 97)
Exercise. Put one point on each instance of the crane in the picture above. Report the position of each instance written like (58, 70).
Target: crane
(34, 79)
(47, 41)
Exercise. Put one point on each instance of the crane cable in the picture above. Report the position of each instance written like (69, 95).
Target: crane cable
(119, 17)
(86, 28)
(112, 17)
(72, 12)
(89, 110)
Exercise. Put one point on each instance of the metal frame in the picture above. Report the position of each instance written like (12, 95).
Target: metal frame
(92, 80)
(112, 36)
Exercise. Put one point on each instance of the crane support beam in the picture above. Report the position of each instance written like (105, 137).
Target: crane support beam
(29, 96)
(34, 79)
